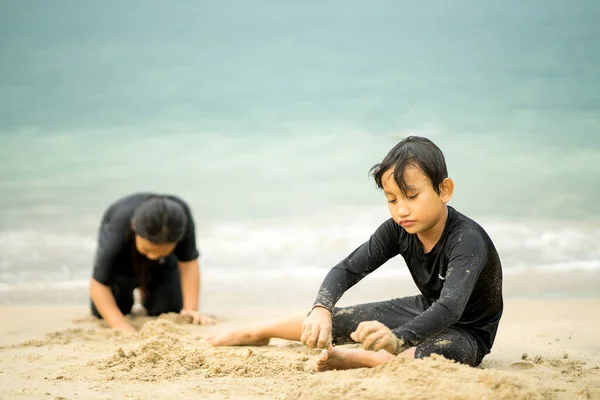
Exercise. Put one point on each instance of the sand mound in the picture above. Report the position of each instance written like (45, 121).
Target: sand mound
(160, 328)
(168, 357)
(230, 363)
(158, 359)
(175, 318)
(431, 378)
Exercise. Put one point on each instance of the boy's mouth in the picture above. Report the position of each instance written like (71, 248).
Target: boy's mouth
(406, 222)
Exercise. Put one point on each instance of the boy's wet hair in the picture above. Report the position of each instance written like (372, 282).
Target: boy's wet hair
(413, 151)
(160, 220)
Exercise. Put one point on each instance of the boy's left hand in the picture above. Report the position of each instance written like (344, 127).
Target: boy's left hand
(375, 336)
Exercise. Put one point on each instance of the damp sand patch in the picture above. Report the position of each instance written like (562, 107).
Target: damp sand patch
(73, 335)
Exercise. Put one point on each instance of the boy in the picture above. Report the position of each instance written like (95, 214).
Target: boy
(450, 257)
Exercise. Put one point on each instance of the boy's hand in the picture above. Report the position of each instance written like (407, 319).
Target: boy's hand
(375, 336)
(316, 329)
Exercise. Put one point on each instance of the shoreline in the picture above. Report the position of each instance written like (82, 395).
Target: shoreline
(223, 296)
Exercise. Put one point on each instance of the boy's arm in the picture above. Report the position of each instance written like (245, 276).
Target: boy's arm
(467, 259)
(383, 245)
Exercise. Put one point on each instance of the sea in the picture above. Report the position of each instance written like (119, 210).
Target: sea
(266, 115)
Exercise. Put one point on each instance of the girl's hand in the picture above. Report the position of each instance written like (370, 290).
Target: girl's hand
(197, 318)
(124, 327)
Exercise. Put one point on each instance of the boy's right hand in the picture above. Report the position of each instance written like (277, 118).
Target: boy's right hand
(316, 329)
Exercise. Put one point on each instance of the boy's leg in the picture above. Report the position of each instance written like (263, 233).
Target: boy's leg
(164, 290)
(260, 333)
(454, 344)
(345, 320)
(340, 358)
(122, 290)
(392, 313)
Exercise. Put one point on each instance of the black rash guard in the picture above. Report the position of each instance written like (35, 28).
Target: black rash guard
(460, 278)
(116, 240)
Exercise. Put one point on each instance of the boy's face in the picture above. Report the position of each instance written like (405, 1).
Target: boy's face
(422, 207)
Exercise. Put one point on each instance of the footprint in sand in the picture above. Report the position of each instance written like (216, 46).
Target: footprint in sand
(521, 365)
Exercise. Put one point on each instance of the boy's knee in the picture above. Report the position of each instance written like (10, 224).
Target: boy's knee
(461, 354)
(344, 321)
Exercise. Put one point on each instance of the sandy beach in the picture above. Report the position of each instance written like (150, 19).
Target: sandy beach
(278, 123)
(545, 349)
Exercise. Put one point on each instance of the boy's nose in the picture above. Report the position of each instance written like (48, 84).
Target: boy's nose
(403, 212)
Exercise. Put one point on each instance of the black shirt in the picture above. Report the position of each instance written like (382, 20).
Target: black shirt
(460, 278)
(116, 240)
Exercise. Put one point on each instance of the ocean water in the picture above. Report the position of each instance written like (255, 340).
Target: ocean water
(266, 117)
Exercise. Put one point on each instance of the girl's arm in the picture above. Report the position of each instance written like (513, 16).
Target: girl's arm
(107, 307)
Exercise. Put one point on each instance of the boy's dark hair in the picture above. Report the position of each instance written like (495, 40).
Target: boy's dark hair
(413, 151)
(160, 220)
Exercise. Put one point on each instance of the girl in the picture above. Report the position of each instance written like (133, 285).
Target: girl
(146, 241)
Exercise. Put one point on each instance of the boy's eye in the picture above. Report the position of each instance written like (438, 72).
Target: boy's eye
(392, 201)
(414, 196)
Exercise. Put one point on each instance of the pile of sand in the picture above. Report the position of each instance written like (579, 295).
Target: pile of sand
(430, 378)
(161, 328)
(158, 359)
(234, 363)
(175, 318)
(168, 354)
(170, 357)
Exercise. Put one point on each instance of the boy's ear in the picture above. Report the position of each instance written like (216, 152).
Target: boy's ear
(446, 190)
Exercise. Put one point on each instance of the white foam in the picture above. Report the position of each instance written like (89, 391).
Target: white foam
(540, 245)
(302, 249)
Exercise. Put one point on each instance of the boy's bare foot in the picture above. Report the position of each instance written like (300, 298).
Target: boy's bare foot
(236, 338)
(340, 358)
